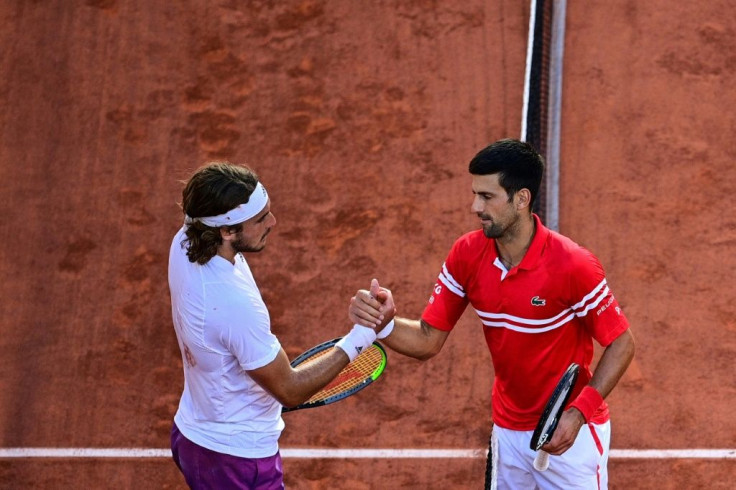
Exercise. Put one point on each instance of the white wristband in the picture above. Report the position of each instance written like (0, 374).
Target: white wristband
(356, 340)
(386, 330)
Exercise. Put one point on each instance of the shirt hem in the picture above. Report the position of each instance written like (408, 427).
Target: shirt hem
(265, 452)
(264, 361)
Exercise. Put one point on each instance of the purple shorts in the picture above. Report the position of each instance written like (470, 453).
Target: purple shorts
(206, 469)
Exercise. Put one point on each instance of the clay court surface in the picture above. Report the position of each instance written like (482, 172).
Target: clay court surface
(360, 118)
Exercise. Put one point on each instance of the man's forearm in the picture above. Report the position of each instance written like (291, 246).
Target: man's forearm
(414, 338)
(613, 363)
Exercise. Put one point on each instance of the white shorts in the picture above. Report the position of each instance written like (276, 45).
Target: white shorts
(583, 466)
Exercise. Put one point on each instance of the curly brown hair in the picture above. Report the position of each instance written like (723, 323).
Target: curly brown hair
(214, 189)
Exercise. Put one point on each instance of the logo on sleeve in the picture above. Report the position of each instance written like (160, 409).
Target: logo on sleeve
(537, 301)
(606, 306)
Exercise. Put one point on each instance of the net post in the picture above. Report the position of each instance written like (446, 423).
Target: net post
(554, 125)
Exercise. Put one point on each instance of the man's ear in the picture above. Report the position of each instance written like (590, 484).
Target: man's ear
(227, 233)
(523, 198)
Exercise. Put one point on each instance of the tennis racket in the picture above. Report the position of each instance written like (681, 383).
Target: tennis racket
(551, 416)
(361, 372)
(491, 483)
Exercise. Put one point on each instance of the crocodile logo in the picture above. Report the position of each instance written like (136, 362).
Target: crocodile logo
(536, 301)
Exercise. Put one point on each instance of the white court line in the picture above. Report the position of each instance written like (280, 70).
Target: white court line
(314, 453)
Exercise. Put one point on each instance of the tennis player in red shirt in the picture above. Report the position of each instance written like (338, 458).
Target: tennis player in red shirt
(543, 300)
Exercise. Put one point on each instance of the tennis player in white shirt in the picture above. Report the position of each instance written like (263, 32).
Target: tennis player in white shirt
(236, 375)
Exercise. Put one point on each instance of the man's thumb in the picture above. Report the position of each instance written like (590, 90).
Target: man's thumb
(375, 288)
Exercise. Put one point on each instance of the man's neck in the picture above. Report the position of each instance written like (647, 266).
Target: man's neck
(226, 253)
(514, 244)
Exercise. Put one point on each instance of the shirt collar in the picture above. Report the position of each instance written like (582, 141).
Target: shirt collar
(534, 253)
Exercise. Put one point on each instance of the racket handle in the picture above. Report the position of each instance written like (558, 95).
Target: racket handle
(541, 462)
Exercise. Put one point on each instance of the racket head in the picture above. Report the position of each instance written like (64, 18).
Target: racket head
(554, 408)
(314, 352)
(358, 374)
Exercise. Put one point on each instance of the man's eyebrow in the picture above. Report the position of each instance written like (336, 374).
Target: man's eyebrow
(263, 217)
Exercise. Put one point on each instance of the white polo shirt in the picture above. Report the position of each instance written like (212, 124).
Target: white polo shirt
(223, 329)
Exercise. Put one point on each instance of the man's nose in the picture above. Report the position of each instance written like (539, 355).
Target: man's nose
(476, 206)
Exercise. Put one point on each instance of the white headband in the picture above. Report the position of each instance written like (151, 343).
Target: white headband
(256, 202)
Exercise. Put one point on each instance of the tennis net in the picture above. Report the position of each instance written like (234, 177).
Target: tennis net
(542, 92)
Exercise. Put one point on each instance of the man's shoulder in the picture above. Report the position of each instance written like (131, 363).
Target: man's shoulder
(563, 244)
(473, 239)
(567, 253)
(467, 251)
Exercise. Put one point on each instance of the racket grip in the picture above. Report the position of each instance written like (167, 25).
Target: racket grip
(541, 462)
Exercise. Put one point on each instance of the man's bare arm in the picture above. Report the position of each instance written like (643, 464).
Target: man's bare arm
(292, 386)
(415, 338)
(613, 363)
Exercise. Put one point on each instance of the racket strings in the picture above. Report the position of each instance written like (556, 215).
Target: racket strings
(354, 374)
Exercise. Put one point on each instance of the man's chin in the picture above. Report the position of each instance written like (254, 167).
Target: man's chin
(491, 232)
(252, 250)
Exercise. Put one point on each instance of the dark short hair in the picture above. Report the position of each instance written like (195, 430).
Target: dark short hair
(214, 189)
(518, 164)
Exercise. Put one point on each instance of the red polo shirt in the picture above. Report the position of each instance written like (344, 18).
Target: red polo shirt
(538, 317)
